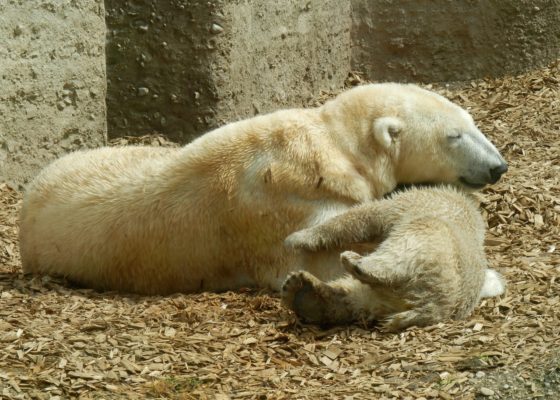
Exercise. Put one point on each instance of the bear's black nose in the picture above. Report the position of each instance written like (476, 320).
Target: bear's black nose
(497, 172)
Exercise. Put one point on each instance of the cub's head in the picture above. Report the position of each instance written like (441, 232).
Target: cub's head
(428, 138)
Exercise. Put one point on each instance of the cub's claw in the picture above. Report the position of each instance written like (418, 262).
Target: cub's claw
(351, 262)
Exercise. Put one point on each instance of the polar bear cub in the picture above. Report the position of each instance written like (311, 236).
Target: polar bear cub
(429, 266)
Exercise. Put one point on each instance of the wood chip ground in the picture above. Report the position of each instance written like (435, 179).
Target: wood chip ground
(59, 342)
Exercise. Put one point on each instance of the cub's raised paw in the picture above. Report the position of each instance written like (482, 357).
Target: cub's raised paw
(370, 274)
(351, 261)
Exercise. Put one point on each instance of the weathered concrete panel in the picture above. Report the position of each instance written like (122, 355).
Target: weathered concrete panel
(52, 87)
(282, 53)
(443, 40)
(183, 67)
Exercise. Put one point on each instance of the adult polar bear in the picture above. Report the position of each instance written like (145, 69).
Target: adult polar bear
(214, 214)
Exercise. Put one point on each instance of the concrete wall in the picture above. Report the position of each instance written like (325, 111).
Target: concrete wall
(181, 68)
(52, 87)
(443, 40)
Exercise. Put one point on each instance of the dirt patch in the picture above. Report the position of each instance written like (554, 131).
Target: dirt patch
(67, 342)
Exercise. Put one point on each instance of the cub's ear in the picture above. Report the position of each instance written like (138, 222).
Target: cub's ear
(386, 129)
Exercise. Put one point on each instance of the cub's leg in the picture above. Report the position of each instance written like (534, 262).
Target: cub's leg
(373, 271)
(398, 308)
(437, 309)
(315, 301)
(360, 224)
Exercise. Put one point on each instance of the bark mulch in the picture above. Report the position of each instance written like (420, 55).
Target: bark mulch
(61, 342)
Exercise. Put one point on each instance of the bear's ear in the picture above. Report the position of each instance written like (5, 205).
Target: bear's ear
(386, 129)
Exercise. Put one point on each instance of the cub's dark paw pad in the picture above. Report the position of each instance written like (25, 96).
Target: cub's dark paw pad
(293, 282)
(300, 293)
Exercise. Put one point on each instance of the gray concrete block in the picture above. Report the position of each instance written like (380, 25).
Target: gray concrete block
(442, 40)
(181, 68)
(52, 87)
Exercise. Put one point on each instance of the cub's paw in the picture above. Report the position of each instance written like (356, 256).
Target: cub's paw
(402, 320)
(305, 239)
(294, 283)
(363, 270)
(352, 262)
(302, 292)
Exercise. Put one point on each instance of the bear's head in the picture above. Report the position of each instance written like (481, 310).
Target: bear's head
(427, 138)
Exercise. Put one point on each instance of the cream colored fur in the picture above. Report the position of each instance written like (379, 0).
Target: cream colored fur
(430, 265)
(213, 215)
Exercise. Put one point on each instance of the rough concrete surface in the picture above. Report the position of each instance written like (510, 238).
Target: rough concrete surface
(183, 67)
(52, 86)
(443, 40)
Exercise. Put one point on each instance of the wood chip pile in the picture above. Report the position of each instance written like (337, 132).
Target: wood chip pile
(60, 342)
